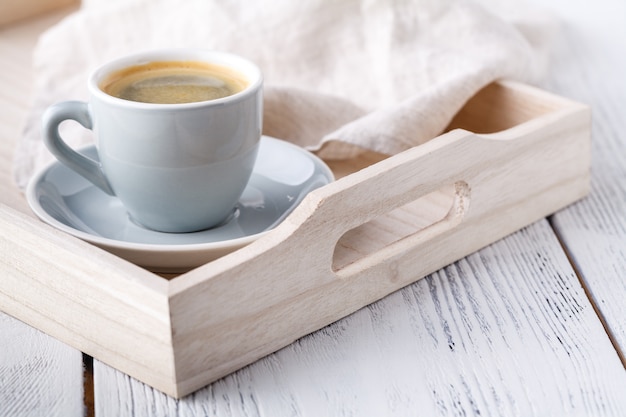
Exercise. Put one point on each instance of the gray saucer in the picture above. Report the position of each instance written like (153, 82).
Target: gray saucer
(283, 175)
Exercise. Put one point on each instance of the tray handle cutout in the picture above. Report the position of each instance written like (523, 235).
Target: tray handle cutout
(393, 233)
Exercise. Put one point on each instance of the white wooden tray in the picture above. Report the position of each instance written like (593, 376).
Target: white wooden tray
(513, 154)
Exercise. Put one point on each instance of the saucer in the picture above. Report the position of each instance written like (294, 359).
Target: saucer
(283, 175)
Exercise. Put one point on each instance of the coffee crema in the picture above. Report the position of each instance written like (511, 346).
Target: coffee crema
(172, 82)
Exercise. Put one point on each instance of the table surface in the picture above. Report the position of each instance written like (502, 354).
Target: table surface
(532, 325)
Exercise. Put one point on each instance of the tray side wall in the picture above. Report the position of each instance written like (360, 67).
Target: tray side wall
(87, 298)
(282, 288)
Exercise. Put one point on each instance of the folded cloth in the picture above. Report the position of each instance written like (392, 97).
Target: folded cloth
(340, 76)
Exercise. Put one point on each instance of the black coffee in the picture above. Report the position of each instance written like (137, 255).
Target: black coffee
(170, 82)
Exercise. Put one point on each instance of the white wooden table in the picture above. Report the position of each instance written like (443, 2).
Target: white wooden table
(533, 325)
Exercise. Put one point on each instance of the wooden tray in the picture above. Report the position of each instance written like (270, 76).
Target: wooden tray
(522, 154)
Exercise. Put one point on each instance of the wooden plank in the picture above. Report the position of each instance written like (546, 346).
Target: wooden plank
(589, 65)
(507, 331)
(39, 376)
(12, 11)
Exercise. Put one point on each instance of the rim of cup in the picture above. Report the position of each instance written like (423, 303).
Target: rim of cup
(238, 63)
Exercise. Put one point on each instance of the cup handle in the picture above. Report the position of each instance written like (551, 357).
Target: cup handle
(82, 165)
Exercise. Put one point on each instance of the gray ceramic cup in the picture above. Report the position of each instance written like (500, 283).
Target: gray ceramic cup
(175, 167)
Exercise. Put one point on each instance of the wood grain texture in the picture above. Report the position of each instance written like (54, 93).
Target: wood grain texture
(589, 65)
(39, 376)
(507, 331)
(502, 183)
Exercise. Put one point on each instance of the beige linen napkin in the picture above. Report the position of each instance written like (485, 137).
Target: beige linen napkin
(340, 76)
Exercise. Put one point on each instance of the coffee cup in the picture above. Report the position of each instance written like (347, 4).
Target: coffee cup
(177, 134)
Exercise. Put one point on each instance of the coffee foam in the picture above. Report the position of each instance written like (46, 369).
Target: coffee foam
(170, 82)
